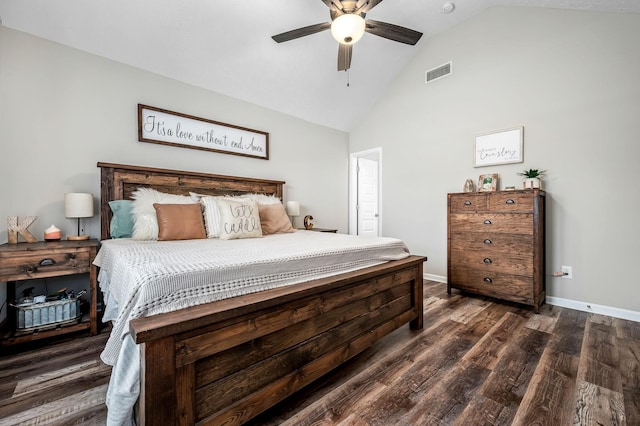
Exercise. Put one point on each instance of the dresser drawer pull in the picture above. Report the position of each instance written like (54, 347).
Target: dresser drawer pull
(467, 203)
(487, 260)
(510, 201)
(47, 262)
(488, 241)
(488, 280)
(487, 222)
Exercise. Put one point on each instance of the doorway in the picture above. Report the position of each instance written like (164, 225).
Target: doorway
(365, 196)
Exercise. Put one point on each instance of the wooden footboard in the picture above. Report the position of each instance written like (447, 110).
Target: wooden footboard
(227, 361)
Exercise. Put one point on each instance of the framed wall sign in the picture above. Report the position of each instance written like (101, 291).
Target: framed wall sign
(501, 147)
(165, 127)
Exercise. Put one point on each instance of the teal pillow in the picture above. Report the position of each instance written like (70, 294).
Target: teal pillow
(122, 220)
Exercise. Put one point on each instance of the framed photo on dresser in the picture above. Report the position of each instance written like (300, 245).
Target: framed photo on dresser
(488, 183)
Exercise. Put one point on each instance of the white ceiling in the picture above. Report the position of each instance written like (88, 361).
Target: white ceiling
(226, 46)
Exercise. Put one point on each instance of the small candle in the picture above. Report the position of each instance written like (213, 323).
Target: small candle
(52, 234)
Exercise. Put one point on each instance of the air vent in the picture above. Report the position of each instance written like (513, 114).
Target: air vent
(438, 72)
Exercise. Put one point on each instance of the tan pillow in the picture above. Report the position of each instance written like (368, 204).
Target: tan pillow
(179, 222)
(239, 219)
(274, 219)
(145, 222)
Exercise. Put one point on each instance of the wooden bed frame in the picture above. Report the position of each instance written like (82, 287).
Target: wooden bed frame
(227, 361)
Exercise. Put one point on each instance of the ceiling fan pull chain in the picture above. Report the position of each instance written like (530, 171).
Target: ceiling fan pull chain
(347, 77)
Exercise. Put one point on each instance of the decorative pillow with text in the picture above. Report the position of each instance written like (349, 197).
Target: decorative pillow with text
(239, 219)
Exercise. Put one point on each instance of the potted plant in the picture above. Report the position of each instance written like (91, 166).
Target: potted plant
(532, 178)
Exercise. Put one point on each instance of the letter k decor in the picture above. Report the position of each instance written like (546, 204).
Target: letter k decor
(15, 228)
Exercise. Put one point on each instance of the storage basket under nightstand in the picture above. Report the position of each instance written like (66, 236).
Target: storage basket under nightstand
(46, 315)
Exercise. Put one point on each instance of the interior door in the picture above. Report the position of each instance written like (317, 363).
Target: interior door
(367, 207)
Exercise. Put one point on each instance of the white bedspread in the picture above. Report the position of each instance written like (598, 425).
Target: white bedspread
(142, 278)
(149, 277)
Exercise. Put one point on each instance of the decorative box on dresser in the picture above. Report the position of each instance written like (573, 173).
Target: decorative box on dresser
(496, 245)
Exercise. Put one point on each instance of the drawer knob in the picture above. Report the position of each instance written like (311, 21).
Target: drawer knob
(487, 260)
(487, 241)
(487, 222)
(488, 280)
(467, 203)
(30, 269)
(510, 201)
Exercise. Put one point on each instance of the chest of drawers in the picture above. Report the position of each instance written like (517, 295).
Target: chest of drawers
(496, 245)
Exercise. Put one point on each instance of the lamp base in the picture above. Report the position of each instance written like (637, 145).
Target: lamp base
(77, 237)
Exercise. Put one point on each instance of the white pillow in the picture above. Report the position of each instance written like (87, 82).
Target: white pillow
(239, 219)
(263, 199)
(211, 215)
(145, 221)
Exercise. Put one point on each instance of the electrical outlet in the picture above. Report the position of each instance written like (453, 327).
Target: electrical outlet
(568, 271)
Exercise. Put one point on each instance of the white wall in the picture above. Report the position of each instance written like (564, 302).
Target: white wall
(572, 79)
(63, 110)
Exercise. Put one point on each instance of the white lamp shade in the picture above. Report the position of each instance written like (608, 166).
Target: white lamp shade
(78, 205)
(293, 208)
(348, 28)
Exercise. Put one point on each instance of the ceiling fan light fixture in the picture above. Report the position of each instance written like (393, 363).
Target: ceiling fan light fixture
(348, 28)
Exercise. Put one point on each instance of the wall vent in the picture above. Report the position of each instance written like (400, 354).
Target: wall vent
(438, 72)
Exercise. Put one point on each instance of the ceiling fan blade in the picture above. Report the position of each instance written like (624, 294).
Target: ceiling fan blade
(393, 32)
(364, 6)
(344, 56)
(301, 32)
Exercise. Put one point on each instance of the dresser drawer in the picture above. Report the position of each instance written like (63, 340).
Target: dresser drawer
(42, 264)
(511, 202)
(521, 223)
(469, 202)
(509, 253)
(499, 285)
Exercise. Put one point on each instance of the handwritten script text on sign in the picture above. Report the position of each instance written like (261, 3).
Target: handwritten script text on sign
(165, 127)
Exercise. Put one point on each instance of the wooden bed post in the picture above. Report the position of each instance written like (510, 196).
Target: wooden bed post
(157, 381)
(418, 291)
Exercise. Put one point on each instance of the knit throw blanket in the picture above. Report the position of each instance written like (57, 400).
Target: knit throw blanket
(150, 277)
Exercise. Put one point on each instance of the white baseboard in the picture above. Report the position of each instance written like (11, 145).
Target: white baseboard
(571, 304)
(436, 278)
(594, 308)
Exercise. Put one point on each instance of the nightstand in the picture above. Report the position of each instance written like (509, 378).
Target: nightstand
(320, 230)
(30, 261)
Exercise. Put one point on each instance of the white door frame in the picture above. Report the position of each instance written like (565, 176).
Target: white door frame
(372, 154)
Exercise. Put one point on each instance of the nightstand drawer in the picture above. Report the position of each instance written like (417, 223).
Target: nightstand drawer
(42, 264)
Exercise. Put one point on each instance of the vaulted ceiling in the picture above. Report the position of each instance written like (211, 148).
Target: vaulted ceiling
(226, 46)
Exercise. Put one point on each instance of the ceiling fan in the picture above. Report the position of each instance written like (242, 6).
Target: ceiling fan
(348, 25)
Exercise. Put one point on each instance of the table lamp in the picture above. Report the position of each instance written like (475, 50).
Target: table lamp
(77, 205)
(293, 210)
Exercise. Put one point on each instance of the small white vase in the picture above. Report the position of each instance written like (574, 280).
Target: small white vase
(530, 183)
(52, 233)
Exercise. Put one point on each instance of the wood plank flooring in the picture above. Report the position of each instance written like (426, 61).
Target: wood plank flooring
(477, 362)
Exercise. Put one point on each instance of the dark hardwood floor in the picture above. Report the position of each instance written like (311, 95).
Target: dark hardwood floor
(476, 362)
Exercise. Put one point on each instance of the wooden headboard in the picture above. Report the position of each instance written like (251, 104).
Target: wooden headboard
(118, 182)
